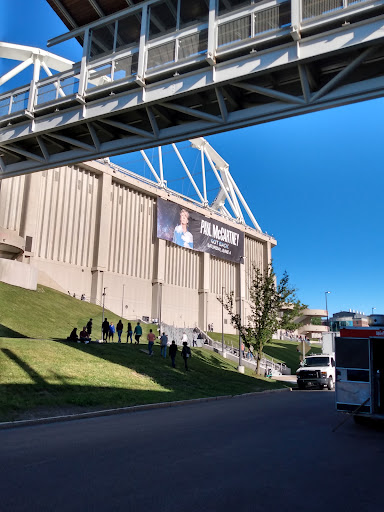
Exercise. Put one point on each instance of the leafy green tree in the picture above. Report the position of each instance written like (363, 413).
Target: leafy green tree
(273, 306)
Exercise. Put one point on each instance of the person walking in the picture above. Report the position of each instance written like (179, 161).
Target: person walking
(119, 329)
(185, 354)
(105, 329)
(112, 330)
(151, 340)
(164, 344)
(173, 352)
(129, 331)
(138, 332)
(89, 326)
(184, 338)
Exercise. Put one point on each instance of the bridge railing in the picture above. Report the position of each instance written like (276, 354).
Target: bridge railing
(112, 57)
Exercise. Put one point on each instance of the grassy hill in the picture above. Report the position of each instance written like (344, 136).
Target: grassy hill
(41, 375)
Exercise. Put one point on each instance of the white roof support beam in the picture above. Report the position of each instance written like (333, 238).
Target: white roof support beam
(15, 71)
(151, 167)
(245, 205)
(220, 182)
(203, 175)
(161, 166)
(188, 173)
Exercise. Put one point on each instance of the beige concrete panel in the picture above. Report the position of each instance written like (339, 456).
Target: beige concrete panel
(103, 220)
(137, 295)
(18, 274)
(65, 276)
(30, 208)
(11, 195)
(180, 306)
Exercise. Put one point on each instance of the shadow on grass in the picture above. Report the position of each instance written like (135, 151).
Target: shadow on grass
(6, 332)
(208, 376)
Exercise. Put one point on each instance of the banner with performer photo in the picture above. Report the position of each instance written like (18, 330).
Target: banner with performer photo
(192, 230)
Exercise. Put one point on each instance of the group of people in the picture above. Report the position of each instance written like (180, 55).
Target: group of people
(109, 330)
(210, 327)
(185, 351)
(85, 333)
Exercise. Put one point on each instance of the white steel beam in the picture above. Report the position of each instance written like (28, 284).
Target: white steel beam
(151, 167)
(188, 173)
(15, 71)
(220, 182)
(203, 175)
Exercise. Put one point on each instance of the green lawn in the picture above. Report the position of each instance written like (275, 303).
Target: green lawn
(280, 350)
(42, 375)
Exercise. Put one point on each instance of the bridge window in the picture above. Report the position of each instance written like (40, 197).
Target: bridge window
(128, 31)
(226, 6)
(102, 40)
(162, 18)
(192, 12)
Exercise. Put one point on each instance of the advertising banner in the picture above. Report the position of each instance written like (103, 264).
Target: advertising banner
(195, 231)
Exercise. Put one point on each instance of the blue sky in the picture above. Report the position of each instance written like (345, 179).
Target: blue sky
(314, 182)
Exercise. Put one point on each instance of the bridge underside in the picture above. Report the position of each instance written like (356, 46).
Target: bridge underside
(250, 85)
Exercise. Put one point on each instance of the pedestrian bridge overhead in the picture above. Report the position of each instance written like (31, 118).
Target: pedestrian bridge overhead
(160, 71)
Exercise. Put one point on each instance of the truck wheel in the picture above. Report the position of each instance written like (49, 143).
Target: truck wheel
(301, 385)
(330, 384)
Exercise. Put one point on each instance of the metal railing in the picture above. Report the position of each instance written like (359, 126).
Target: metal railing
(119, 63)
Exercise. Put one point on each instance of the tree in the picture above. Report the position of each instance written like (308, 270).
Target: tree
(273, 306)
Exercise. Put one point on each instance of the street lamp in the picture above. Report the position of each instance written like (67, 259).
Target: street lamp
(372, 310)
(240, 367)
(326, 304)
(222, 323)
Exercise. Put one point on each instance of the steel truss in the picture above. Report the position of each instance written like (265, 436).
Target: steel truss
(322, 62)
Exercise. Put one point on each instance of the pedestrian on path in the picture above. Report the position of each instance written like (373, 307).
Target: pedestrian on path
(105, 328)
(186, 354)
(173, 352)
(129, 331)
(164, 344)
(119, 329)
(151, 340)
(138, 332)
(112, 330)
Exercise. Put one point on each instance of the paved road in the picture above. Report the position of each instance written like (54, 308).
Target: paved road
(273, 452)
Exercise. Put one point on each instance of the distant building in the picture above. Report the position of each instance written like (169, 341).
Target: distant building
(348, 319)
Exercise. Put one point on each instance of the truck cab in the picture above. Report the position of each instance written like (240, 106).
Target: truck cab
(317, 371)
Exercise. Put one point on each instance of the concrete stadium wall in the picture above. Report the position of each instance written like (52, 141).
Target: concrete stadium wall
(88, 227)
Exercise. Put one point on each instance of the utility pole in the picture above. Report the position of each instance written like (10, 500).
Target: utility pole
(240, 368)
(223, 353)
(122, 303)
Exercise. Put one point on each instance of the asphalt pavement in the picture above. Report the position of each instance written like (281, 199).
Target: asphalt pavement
(271, 452)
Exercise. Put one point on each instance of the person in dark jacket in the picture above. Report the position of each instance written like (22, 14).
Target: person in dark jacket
(105, 327)
(119, 329)
(173, 352)
(185, 354)
(89, 326)
(73, 336)
(129, 331)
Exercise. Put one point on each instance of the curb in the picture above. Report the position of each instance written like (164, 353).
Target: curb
(131, 409)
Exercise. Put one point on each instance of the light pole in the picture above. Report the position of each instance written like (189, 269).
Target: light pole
(326, 303)
(223, 353)
(372, 310)
(240, 367)
(122, 303)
